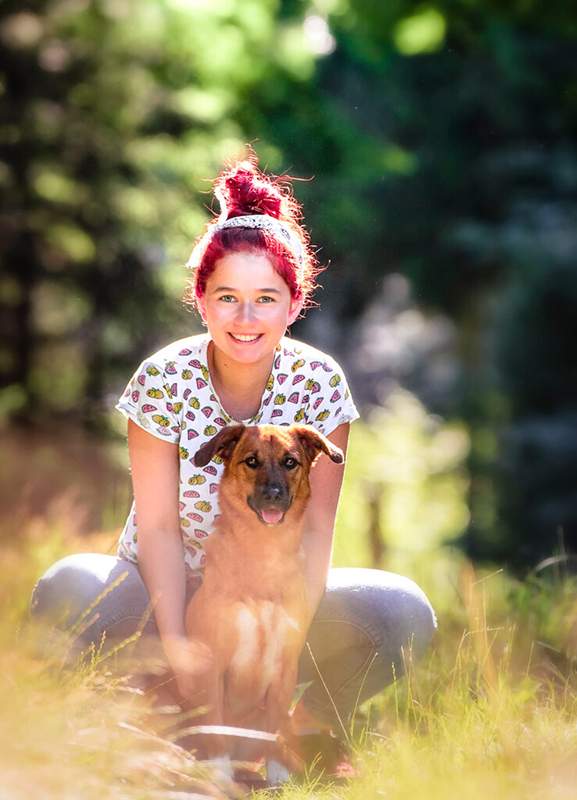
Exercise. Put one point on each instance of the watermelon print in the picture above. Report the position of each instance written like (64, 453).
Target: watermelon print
(174, 386)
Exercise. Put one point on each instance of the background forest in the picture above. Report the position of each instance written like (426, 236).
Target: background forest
(437, 147)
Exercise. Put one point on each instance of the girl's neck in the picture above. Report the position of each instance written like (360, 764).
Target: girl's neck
(240, 387)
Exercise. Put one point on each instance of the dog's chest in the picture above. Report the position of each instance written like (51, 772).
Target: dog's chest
(265, 630)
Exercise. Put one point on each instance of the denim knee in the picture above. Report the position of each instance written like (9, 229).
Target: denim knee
(369, 624)
(76, 583)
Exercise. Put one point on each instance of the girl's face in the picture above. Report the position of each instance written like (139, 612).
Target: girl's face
(247, 307)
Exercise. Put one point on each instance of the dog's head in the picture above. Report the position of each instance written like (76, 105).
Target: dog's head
(267, 466)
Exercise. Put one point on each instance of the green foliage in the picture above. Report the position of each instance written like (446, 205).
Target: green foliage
(441, 141)
(405, 487)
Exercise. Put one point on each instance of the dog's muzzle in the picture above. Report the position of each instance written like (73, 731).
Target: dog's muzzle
(270, 503)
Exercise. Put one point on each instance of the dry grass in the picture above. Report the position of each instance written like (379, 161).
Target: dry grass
(490, 713)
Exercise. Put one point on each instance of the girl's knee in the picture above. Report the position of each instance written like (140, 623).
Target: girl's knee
(393, 609)
(71, 585)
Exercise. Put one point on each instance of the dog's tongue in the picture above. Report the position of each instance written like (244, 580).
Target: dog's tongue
(271, 515)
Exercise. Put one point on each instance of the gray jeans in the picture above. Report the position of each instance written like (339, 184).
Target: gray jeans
(368, 624)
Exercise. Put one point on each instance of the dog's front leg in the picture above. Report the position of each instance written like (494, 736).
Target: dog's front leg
(278, 701)
(211, 698)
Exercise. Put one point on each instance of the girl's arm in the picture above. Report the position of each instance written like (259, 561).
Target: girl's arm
(155, 479)
(326, 480)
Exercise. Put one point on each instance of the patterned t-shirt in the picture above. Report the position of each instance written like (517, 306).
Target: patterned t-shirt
(171, 396)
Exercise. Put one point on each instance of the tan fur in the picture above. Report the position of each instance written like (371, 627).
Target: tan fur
(252, 610)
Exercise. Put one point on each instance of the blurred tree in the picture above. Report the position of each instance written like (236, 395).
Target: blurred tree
(442, 142)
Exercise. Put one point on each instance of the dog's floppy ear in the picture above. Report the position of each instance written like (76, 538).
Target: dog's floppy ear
(220, 445)
(315, 443)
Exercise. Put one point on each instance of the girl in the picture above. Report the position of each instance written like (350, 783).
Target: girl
(253, 273)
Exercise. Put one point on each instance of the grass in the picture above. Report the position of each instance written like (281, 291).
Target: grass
(489, 713)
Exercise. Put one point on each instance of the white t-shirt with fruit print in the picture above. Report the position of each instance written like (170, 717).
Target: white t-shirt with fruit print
(171, 396)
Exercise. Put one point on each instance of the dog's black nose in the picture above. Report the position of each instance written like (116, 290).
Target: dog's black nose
(272, 493)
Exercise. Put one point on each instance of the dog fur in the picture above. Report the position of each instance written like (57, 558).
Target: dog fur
(252, 609)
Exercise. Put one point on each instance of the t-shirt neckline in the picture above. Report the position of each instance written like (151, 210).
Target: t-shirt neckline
(204, 352)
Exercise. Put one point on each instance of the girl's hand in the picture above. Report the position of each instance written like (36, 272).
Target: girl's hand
(187, 659)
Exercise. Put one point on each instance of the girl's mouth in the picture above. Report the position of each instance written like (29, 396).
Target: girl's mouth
(245, 338)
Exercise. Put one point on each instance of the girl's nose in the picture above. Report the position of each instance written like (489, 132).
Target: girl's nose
(246, 312)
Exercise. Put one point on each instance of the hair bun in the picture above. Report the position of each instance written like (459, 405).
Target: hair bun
(247, 191)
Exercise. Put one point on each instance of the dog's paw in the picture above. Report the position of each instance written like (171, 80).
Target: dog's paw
(221, 768)
(276, 773)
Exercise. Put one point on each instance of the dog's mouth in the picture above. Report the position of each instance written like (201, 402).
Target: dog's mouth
(270, 516)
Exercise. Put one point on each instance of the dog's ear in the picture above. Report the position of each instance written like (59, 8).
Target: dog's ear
(315, 443)
(220, 445)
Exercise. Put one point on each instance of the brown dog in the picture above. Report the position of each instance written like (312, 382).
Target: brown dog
(252, 610)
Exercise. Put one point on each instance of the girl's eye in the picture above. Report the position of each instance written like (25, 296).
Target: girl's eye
(290, 463)
(266, 299)
(227, 298)
(251, 462)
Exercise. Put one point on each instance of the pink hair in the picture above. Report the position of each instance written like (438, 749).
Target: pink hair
(246, 190)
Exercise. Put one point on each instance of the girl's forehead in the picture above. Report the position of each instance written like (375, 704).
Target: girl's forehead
(245, 270)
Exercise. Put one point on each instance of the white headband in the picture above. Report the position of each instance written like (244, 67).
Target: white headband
(278, 229)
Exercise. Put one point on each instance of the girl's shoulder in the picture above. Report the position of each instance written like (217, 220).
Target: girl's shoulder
(300, 355)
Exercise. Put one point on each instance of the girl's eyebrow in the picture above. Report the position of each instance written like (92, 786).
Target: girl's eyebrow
(259, 291)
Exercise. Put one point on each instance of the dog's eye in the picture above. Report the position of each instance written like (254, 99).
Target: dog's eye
(251, 462)
(290, 463)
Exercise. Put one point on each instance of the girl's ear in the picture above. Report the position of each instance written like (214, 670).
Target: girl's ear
(201, 306)
(294, 310)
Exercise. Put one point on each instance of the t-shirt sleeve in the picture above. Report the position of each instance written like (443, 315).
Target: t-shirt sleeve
(151, 401)
(330, 402)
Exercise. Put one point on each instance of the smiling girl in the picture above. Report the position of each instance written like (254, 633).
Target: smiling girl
(253, 273)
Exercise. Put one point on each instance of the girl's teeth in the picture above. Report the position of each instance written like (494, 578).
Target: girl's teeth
(242, 338)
